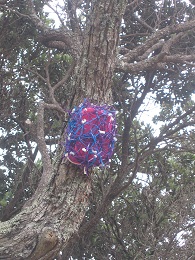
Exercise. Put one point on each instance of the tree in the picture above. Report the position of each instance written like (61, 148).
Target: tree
(125, 53)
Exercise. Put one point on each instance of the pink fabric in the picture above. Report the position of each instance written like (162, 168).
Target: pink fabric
(90, 140)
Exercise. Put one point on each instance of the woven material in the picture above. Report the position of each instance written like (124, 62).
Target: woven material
(90, 136)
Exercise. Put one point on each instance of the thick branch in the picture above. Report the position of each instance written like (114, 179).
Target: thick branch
(140, 50)
(62, 39)
(144, 65)
(157, 62)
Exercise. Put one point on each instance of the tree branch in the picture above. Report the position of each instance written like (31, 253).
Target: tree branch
(143, 23)
(57, 13)
(177, 58)
(53, 38)
(157, 62)
(66, 76)
(140, 50)
(144, 65)
(150, 51)
(173, 40)
(41, 138)
(55, 105)
(34, 72)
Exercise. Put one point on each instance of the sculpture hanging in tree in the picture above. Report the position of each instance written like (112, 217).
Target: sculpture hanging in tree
(91, 135)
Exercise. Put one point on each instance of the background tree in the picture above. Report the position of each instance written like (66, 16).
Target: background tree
(135, 55)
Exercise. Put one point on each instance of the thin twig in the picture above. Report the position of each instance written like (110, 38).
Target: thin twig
(57, 13)
(143, 23)
(34, 72)
(66, 77)
(41, 138)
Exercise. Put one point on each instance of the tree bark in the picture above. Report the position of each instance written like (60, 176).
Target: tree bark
(49, 219)
(94, 71)
(52, 217)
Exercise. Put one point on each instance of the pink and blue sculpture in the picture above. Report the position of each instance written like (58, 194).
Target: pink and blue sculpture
(91, 135)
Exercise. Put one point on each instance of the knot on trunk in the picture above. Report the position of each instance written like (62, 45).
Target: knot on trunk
(47, 240)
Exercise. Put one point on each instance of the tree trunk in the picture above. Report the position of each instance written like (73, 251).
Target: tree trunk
(53, 215)
(93, 75)
(49, 219)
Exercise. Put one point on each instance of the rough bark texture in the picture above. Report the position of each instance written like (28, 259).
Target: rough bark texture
(50, 219)
(94, 71)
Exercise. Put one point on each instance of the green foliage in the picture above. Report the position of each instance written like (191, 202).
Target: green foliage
(145, 218)
(4, 201)
(20, 90)
(138, 223)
